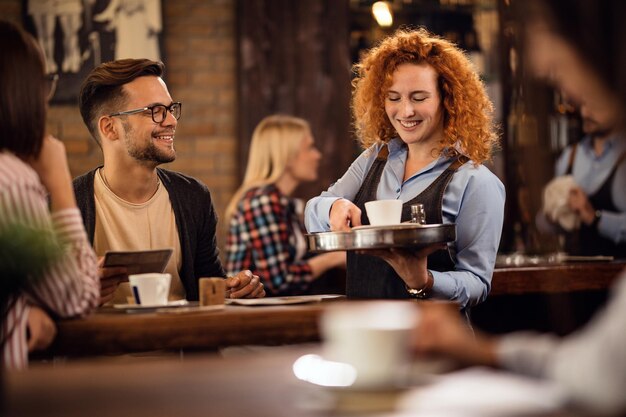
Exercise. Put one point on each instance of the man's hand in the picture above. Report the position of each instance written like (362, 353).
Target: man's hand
(53, 171)
(344, 215)
(110, 278)
(579, 202)
(41, 329)
(244, 285)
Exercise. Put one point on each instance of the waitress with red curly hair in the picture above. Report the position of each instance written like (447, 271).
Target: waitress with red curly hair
(425, 121)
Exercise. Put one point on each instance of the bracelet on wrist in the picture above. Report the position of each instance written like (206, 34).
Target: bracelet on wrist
(420, 293)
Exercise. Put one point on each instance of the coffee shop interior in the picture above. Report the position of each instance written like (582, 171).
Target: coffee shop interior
(307, 343)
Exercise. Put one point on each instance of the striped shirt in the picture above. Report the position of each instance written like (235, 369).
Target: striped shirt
(70, 286)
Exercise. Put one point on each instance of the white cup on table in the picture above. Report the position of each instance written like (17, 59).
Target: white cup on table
(150, 289)
(373, 337)
(384, 212)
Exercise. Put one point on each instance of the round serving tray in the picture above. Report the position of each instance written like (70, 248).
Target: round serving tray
(405, 235)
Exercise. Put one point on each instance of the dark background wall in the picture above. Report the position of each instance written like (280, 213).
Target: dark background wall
(294, 59)
(232, 62)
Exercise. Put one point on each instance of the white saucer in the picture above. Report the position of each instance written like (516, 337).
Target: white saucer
(330, 388)
(170, 304)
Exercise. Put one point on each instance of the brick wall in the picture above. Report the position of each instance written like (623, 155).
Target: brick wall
(200, 57)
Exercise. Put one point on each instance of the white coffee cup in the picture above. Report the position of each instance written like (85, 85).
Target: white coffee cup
(384, 212)
(150, 289)
(371, 336)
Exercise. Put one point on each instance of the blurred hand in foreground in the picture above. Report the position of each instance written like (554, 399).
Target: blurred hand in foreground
(441, 331)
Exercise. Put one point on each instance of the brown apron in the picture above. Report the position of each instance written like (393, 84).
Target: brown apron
(371, 277)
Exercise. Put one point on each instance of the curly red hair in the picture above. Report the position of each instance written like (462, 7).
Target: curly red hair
(468, 120)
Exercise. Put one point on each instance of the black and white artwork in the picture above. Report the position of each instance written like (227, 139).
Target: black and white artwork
(77, 35)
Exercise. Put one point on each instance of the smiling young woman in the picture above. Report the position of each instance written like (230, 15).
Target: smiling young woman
(424, 118)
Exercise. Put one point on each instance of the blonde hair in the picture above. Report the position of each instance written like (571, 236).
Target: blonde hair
(275, 141)
(468, 112)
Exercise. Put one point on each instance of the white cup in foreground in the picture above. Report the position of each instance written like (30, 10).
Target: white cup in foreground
(384, 212)
(373, 337)
(150, 289)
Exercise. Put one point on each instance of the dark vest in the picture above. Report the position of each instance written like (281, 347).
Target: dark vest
(371, 277)
(588, 241)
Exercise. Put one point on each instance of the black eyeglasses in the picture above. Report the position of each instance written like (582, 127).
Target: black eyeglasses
(51, 85)
(159, 111)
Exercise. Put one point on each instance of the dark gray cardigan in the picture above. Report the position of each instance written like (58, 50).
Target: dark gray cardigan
(195, 218)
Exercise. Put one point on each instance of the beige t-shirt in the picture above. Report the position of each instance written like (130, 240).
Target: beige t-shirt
(124, 226)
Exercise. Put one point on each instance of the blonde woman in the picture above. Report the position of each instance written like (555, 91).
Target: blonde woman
(266, 234)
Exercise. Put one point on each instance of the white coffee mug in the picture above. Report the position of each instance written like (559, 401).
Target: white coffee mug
(373, 337)
(384, 212)
(150, 289)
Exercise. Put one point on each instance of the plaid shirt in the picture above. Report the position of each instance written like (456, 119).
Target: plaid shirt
(261, 238)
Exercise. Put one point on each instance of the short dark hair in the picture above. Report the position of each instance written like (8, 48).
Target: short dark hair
(22, 92)
(102, 91)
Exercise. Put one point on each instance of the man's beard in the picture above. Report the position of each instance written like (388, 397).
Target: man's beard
(594, 129)
(150, 153)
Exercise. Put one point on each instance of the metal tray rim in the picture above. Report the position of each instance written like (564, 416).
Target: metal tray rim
(408, 236)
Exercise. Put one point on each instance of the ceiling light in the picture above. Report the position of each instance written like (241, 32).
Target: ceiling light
(382, 13)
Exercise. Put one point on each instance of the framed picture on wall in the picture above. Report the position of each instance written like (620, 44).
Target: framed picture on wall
(78, 35)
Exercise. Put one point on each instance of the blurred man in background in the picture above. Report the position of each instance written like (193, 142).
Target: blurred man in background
(597, 165)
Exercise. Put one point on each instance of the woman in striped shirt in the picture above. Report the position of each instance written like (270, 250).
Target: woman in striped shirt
(33, 168)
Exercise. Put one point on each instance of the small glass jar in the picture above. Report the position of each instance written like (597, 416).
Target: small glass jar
(418, 214)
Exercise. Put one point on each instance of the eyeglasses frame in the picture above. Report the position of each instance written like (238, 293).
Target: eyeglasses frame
(167, 109)
(52, 80)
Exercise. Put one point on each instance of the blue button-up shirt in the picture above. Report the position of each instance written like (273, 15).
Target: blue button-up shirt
(591, 171)
(474, 200)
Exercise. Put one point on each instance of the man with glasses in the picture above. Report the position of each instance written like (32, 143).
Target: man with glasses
(131, 204)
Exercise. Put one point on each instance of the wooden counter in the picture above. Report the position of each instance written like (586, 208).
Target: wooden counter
(555, 278)
(556, 298)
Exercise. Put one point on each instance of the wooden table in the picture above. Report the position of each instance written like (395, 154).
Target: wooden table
(260, 384)
(555, 278)
(108, 332)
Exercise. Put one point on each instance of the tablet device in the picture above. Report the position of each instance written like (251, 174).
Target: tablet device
(139, 262)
